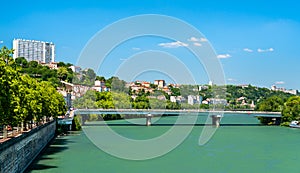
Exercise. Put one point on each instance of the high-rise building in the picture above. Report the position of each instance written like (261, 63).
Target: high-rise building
(32, 50)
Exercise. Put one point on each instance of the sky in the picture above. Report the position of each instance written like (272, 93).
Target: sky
(257, 42)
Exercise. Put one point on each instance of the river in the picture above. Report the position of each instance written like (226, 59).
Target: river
(240, 145)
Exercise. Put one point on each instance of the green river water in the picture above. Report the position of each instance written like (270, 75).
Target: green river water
(240, 145)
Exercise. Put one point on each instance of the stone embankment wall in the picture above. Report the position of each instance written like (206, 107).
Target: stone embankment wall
(18, 153)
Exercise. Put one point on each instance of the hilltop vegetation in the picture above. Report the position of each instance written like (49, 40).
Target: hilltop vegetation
(63, 73)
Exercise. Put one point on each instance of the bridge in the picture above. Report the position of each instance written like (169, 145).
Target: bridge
(149, 113)
(168, 111)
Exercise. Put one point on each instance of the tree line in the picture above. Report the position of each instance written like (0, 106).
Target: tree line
(288, 106)
(123, 97)
(23, 98)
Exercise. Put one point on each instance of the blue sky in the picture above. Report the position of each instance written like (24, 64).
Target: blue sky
(257, 41)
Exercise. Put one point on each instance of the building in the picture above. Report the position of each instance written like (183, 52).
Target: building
(51, 65)
(194, 99)
(75, 69)
(217, 101)
(177, 99)
(290, 91)
(100, 86)
(173, 99)
(32, 50)
(160, 83)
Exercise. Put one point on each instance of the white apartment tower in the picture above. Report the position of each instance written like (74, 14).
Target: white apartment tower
(32, 50)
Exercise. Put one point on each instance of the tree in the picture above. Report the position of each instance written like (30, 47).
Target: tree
(88, 100)
(175, 91)
(118, 85)
(62, 73)
(100, 78)
(61, 64)
(291, 109)
(121, 100)
(22, 62)
(105, 100)
(24, 99)
(8, 91)
(33, 64)
(271, 104)
(6, 54)
(141, 102)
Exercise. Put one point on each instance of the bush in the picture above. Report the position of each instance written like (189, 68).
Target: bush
(76, 123)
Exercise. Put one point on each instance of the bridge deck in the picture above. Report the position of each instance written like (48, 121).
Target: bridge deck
(170, 112)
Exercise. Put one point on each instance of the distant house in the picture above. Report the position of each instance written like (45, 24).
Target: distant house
(75, 69)
(160, 83)
(217, 101)
(75, 90)
(166, 89)
(193, 99)
(202, 88)
(291, 91)
(173, 99)
(177, 99)
(205, 102)
(100, 86)
(145, 84)
(51, 65)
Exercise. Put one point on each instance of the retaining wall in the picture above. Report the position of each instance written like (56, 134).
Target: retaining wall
(18, 153)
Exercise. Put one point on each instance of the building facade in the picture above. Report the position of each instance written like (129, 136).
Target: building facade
(160, 83)
(32, 50)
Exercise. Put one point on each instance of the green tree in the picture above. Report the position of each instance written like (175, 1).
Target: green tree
(105, 100)
(22, 62)
(271, 104)
(8, 91)
(62, 73)
(100, 78)
(291, 109)
(6, 54)
(141, 102)
(118, 85)
(88, 100)
(33, 64)
(121, 100)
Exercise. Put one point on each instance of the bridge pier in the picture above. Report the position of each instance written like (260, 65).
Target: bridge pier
(216, 120)
(148, 120)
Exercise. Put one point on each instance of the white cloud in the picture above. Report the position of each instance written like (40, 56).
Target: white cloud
(231, 80)
(175, 44)
(265, 50)
(123, 59)
(223, 56)
(203, 40)
(197, 44)
(248, 50)
(279, 82)
(194, 39)
(136, 48)
(1, 41)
